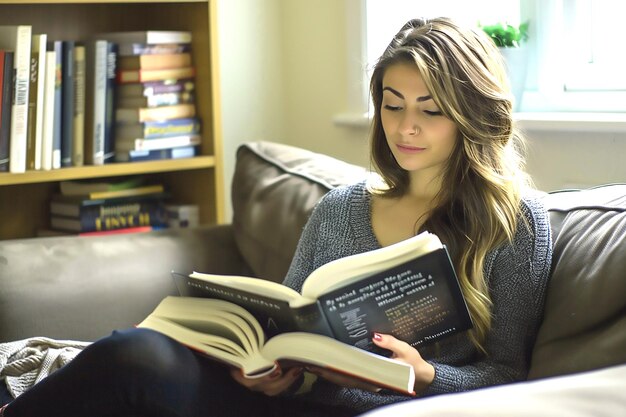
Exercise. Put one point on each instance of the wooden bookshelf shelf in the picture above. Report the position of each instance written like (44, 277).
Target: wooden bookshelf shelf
(24, 197)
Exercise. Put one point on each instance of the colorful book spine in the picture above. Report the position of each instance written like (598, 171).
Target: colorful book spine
(78, 140)
(158, 129)
(158, 154)
(58, 106)
(48, 111)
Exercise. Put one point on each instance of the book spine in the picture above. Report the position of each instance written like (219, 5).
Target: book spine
(133, 76)
(5, 108)
(158, 154)
(48, 111)
(162, 143)
(33, 149)
(41, 43)
(98, 93)
(58, 106)
(68, 97)
(310, 318)
(19, 114)
(109, 126)
(78, 141)
(150, 215)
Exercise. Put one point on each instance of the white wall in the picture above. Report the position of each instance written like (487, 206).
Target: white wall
(251, 69)
(284, 78)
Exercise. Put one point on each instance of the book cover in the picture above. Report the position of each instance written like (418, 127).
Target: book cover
(96, 87)
(157, 154)
(34, 130)
(141, 75)
(6, 80)
(228, 333)
(48, 111)
(158, 129)
(149, 37)
(110, 115)
(68, 102)
(409, 290)
(78, 139)
(57, 46)
(154, 61)
(152, 114)
(112, 218)
(160, 143)
(152, 88)
(18, 39)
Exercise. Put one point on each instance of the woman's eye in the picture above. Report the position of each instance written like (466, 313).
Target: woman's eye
(433, 113)
(392, 108)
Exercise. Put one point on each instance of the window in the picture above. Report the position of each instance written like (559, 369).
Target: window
(576, 59)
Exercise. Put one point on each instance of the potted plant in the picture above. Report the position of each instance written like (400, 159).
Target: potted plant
(511, 40)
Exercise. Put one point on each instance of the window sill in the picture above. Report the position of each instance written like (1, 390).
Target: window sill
(540, 121)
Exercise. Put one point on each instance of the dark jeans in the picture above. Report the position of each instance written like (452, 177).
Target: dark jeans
(141, 373)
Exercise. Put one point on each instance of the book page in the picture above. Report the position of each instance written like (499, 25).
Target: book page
(345, 271)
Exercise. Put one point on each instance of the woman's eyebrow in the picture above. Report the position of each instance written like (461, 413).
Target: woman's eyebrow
(399, 95)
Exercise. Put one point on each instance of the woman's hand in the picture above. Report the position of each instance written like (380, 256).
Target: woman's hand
(424, 371)
(273, 384)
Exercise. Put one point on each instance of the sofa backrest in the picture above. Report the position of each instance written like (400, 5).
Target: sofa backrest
(584, 324)
(274, 189)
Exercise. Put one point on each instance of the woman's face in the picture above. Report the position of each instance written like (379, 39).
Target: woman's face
(419, 136)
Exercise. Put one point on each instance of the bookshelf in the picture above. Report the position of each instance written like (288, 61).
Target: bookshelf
(199, 180)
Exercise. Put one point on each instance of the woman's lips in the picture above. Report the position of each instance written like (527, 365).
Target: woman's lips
(409, 149)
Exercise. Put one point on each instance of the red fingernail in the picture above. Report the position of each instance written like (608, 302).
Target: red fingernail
(275, 374)
(377, 336)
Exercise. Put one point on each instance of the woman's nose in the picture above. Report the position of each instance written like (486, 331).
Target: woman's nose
(409, 125)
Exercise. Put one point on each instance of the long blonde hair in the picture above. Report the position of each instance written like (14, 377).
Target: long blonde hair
(478, 206)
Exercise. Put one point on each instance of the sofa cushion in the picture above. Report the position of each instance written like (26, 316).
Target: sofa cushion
(274, 190)
(584, 324)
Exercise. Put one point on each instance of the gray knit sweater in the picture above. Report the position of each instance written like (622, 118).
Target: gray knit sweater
(517, 275)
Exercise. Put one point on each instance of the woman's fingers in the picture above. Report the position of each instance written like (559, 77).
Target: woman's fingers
(272, 384)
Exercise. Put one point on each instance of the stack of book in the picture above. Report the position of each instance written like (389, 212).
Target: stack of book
(155, 114)
(92, 207)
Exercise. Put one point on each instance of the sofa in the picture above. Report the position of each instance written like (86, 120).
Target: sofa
(82, 288)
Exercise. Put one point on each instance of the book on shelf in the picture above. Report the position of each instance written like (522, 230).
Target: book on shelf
(57, 47)
(150, 212)
(157, 143)
(228, 333)
(150, 114)
(136, 191)
(158, 129)
(67, 102)
(408, 289)
(152, 88)
(18, 39)
(148, 37)
(34, 131)
(157, 154)
(111, 96)
(167, 99)
(130, 49)
(126, 230)
(141, 75)
(78, 139)
(6, 90)
(83, 187)
(48, 111)
(77, 206)
(149, 215)
(95, 95)
(154, 61)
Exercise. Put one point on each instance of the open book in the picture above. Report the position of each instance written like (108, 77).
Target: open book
(408, 289)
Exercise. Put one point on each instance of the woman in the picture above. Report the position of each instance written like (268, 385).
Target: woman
(445, 147)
